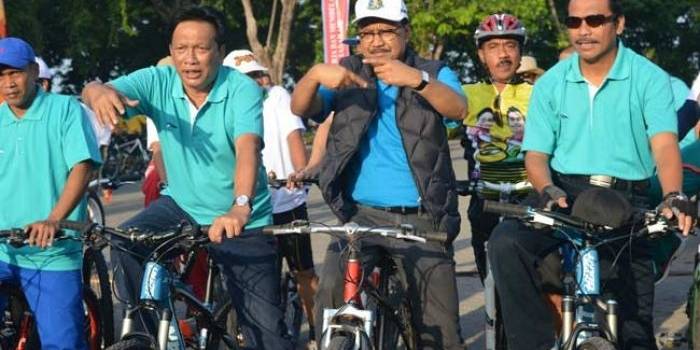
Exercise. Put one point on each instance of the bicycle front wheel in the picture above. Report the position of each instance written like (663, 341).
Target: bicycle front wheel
(96, 280)
(95, 210)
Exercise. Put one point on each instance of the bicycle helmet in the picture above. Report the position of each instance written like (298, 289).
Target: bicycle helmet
(500, 25)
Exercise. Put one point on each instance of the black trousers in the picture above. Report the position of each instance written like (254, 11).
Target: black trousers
(429, 273)
(515, 254)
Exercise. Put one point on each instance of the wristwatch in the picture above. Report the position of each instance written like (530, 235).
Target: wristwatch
(243, 200)
(424, 80)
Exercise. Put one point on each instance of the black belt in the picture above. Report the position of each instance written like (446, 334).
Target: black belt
(396, 210)
(639, 187)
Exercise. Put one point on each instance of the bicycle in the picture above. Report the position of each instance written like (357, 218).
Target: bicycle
(18, 330)
(352, 325)
(693, 306)
(127, 158)
(291, 300)
(185, 322)
(581, 328)
(95, 208)
(494, 333)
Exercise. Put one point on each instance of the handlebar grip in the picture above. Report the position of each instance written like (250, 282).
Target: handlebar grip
(439, 237)
(506, 209)
(74, 225)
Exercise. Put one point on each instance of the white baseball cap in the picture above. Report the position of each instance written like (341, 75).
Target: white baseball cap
(390, 10)
(44, 71)
(244, 61)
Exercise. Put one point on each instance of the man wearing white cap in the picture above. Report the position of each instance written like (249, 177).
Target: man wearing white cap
(390, 108)
(284, 154)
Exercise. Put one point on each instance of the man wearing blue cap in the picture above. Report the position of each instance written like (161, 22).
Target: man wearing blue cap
(47, 151)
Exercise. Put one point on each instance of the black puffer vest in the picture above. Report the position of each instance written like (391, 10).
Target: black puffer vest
(424, 140)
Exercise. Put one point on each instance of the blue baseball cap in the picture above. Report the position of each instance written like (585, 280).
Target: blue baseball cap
(16, 53)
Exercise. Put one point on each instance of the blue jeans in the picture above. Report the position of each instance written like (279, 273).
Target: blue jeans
(55, 299)
(249, 263)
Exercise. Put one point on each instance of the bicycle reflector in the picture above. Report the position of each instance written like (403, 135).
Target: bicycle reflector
(602, 207)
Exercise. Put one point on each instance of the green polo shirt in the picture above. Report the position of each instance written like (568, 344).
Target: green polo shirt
(37, 153)
(608, 135)
(200, 158)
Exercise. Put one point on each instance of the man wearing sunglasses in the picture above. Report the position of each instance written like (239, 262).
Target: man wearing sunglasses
(603, 117)
(497, 107)
(387, 162)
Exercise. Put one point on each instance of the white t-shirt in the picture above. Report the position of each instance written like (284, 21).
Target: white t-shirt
(695, 90)
(278, 123)
(103, 134)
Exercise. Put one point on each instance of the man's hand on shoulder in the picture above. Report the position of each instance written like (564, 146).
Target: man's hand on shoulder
(231, 223)
(107, 103)
(334, 76)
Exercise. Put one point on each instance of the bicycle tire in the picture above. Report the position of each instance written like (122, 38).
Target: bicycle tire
(96, 212)
(19, 308)
(693, 311)
(394, 328)
(342, 340)
(93, 324)
(135, 341)
(96, 279)
(596, 343)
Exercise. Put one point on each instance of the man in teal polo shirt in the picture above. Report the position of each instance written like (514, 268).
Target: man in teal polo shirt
(47, 151)
(605, 111)
(209, 121)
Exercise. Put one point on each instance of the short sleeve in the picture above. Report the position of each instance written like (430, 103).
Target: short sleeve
(541, 122)
(659, 112)
(151, 133)
(695, 89)
(247, 109)
(327, 99)
(287, 121)
(78, 141)
(448, 77)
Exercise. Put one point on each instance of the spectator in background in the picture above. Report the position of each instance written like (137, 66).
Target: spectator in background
(528, 70)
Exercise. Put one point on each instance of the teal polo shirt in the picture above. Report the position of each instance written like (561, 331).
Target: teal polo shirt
(200, 158)
(37, 153)
(610, 135)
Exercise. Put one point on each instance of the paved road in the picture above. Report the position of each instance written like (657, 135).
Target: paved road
(669, 313)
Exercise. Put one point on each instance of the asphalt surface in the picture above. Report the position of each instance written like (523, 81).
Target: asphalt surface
(669, 315)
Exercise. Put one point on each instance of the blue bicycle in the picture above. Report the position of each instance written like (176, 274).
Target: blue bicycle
(588, 321)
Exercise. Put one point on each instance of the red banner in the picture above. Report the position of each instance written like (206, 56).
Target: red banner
(335, 27)
(3, 21)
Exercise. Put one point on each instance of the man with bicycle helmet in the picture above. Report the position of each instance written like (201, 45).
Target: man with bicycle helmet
(387, 162)
(494, 122)
(602, 118)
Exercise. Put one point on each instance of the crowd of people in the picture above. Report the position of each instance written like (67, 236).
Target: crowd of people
(219, 129)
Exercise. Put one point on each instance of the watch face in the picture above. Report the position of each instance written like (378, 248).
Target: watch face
(242, 200)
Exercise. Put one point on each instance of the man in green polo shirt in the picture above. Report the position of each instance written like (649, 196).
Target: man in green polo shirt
(47, 151)
(603, 117)
(209, 121)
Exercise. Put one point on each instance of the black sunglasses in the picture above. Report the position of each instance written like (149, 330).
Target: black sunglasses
(592, 21)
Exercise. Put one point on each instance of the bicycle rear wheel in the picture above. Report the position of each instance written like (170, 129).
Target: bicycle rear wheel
(394, 329)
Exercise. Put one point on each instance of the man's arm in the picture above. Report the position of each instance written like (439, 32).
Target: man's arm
(305, 101)
(297, 149)
(539, 175)
(246, 176)
(107, 103)
(444, 100)
(41, 233)
(158, 162)
(668, 161)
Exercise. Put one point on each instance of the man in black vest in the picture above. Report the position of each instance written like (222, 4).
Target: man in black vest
(387, 162)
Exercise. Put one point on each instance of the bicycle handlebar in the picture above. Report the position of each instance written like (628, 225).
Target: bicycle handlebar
(468, 187)
(279, 183)
(654, 222)
(352, 230)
